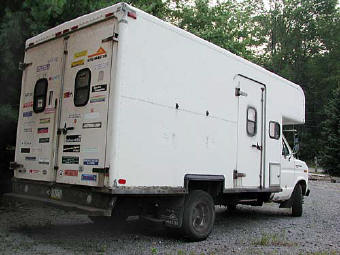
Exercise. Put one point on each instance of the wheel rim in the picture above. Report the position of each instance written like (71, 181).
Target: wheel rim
(200, 217)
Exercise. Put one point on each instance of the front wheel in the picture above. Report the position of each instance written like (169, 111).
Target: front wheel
(297, 201)
(199, 215)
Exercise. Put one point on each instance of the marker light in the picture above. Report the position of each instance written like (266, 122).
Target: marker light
(132, 15)
(121, 181)
(108, 14)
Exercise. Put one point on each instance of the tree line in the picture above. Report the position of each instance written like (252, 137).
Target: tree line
(296, 39)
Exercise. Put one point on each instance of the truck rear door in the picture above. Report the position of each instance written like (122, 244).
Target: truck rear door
(85, 101)
(37, 120)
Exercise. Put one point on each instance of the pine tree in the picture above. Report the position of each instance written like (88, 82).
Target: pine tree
(331, 134)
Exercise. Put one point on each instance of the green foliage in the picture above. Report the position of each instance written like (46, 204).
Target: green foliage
(303, 47)
(331, 134)
(229, 24)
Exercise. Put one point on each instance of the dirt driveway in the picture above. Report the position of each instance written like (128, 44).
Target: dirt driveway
(26, 229)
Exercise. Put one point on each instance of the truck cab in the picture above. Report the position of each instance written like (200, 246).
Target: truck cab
(293, 172)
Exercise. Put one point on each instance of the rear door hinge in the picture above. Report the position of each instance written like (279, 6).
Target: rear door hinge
(22, 66)
(238, 92)
(114, 38)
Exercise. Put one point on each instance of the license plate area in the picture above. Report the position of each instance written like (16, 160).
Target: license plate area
(56, 194)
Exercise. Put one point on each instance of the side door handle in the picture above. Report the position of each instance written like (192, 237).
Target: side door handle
(257, 146)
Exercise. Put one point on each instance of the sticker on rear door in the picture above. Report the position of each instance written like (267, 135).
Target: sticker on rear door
(49, 110)
(27, 114)
(78, 63)
(99, 88)
(92, 125)
(44, 161)
(98, 98)
(91, 162)
(30, 158)
(71, 148)
(43, 68)
(88, 177)
(25, 150)
(70, 160)
(44, 140)
(101, 53)
(71, 172)
(73, 139)
(80, 54)
(27, 105)
(44, 120)
(43, 130)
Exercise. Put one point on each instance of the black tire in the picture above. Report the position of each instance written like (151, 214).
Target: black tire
(198, 216)
(297, 201)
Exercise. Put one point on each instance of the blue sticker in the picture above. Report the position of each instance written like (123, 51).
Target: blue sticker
(30, 158)
(88, 177)
(27, 114)
(91, 162)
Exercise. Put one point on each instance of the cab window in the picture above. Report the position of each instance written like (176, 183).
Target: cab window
(82, 87)
(285, 150)
(39, 97)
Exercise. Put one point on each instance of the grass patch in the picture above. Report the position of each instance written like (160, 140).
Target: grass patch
(275, 239)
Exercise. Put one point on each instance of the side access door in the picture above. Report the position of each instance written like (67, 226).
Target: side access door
(36, 133)
(85, 104)
(250, 135)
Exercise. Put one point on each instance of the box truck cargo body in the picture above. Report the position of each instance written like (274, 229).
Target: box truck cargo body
(122, 110)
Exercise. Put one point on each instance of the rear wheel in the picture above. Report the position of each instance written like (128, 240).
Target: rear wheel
(297, 201)
(199, 215)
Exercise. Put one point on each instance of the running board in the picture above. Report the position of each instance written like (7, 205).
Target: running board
(252, 190)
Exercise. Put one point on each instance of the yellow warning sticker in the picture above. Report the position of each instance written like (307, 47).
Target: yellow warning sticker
(80, 54)
(77, 63)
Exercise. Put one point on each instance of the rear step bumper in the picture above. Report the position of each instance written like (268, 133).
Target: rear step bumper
(59, 204)
(79, 198)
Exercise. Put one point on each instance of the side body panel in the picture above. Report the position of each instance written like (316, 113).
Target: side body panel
(178, 113)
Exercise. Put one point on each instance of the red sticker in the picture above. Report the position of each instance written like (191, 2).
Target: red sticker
(29, 104)
(42, 130)
(71, 172)
(67, 94)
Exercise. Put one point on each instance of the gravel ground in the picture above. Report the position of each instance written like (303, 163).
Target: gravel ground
(26, 229)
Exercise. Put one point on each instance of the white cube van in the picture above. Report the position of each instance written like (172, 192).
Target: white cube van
(124, 114)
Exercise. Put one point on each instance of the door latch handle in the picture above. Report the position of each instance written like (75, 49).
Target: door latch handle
(67, 129)
(257, 146)
(64, 130)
